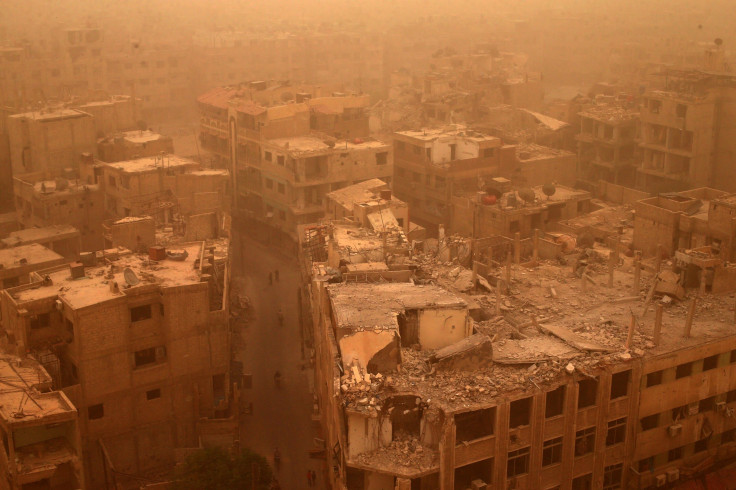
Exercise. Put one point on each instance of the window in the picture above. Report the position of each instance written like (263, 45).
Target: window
(381, 158)
(488, 152)
(584, 482)
(474, 425)
(554, 402)
(111, 181)
(612, 476)
(520, 412)
(707, 404)
(654, 379)
(41, 320)
(282, 215)
(584, 441)
(728, 436)
(674, 454)
(683, 370)
(269, 183)
(733, 356)
(552, 451)
(281, 188)
(649, 422)
(280, 160)
(148, 356)
(95, 411)
(267, 156)
(620, 384)
(153, 394)
(140, 313)
(731, 396)
(681, 110)
(700, 446)
(616, 432)
(518, 462)
(710, 363)
(587, 390)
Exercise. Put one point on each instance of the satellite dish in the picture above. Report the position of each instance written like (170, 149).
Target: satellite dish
(527, 194)
(549, 190)
(131, 279)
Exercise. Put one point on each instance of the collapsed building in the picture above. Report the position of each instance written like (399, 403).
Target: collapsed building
(371, 203)
(591, 366)
(126, 337)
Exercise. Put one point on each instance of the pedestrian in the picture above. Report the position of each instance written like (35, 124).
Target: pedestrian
(314, 478)
(309, 478)
(270, 279)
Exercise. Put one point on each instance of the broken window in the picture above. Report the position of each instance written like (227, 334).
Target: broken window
(733, 356)
(153, 394)
(354, 479)
(587, 391)
(521, 411)
(654, 379)
(731, 396)
(474, 425)
(409, 328)
(674, 454)
(406, 413)
(552, 451)
(612, 476)
(683, 370)
(620, 384)
(584, 441)
(584, 482)
(655, 106)
(140, 313)
(649, 422)
(518, 462)
(554, 402)
(95, 411)
(710, 363)
(481, 470)
(41, 320)
(616, 432)
(728, 436)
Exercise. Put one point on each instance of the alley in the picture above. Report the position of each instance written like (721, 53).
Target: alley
(281, 417)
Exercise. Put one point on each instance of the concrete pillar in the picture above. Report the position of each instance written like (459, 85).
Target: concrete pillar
(637, 272)
(658, 324)
(517, 248)
(690, 316)
(535, 253)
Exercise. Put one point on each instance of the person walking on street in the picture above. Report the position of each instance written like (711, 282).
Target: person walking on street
(314, 478)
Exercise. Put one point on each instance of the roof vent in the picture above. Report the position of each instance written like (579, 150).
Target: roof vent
(77, 270)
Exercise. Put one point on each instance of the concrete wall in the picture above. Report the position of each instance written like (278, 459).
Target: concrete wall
(442, 327)
(136, 235)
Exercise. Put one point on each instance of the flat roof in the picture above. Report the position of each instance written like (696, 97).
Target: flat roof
(367, 191)
(32, 235)
(52, 115)
(526, 152)
(140, 137)
(450, 131)
(305, 145)
(35, 253)
(376, 306)
(18, 396)
(94, 287)
(150, 164)
(610, 114)
(48, 187)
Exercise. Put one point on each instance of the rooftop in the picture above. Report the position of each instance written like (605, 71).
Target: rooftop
(610, 114)
(456, 130)
(21, 402)
(140, 137)
(62, 186)
(363, 192)
(300, 146)
(35, 235)
(95, 286)
(151, 164)
(25, 255)
(531, 151)
(52, 115)
(376, 306)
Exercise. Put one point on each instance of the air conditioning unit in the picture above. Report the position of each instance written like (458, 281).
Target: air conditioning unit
(673, 474)
(478, 485)
(674, 430)
(661, 480)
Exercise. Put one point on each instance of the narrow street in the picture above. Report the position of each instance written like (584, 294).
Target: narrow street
(281, 417)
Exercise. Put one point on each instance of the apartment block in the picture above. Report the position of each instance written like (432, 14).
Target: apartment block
(571, 384)
(41, 203)
(607, 146)
(49, 141)
(40, 427)
(535, 165)
(139, 344)
(163, 186)
(432, 164)
(370, 203)
(482, 214)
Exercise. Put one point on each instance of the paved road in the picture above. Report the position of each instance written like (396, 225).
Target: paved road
(281, 416)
